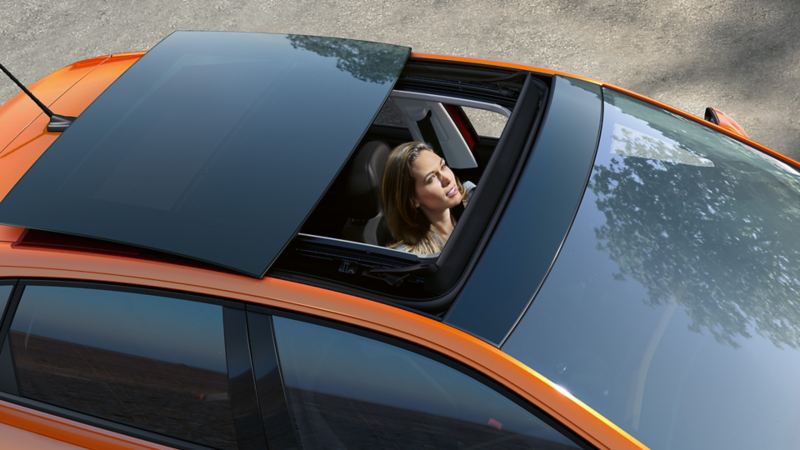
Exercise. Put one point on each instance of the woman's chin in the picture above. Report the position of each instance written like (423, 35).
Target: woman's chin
(454, 201)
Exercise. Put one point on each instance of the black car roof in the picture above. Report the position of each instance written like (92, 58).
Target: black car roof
(213, 146)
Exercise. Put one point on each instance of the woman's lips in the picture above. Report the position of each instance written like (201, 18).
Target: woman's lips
(452, 192)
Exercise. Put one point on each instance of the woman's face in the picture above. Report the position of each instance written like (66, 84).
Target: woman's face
(435, 188)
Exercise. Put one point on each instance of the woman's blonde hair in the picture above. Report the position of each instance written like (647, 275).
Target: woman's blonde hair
(407, 223)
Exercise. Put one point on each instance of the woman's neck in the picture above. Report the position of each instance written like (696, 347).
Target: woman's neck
(442, 223)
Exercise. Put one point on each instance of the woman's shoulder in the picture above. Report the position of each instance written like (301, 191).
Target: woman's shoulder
(420, 249)
(402, 246)
(469, 188)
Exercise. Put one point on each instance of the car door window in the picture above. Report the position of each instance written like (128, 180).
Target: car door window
(349, 391)
(153, 362)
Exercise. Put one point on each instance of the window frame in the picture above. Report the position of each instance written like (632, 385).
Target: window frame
(6, 306)
(8, 381)
(245, 417)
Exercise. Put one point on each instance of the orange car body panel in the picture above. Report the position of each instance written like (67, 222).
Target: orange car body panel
(727, 122)
(67, 91)
(10, 234)
(20, 261)
(15, 437)
(17, 113)
(22, 427)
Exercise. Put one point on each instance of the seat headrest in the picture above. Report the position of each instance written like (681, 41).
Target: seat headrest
(363, 180)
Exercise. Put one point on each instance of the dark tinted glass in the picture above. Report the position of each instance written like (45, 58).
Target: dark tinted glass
(207, 137)
(674, 307)
(349, 391)
(153, 362)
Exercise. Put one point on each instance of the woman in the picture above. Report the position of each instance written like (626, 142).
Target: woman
(418, 190)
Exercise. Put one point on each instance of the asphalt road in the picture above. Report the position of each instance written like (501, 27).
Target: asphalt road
(740, 56)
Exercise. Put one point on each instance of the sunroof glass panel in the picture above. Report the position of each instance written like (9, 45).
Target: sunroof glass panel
(214, 146)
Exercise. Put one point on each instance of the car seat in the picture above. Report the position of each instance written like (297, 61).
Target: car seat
(363, 177)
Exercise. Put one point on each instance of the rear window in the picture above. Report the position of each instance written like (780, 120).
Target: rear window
(674, 306)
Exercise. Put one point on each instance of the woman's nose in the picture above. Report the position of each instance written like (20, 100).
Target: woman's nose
(445, 180)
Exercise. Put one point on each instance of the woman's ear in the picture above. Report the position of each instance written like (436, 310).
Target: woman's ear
(414, 202)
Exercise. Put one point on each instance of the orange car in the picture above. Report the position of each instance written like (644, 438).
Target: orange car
(194, 255)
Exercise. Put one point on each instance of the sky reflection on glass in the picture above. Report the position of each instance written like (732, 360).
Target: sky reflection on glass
(320, 359)
(674, 307)
(208, 136)
(165, 329)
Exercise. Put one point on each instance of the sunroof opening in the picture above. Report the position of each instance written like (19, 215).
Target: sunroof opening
(348, 240)
(354, 209)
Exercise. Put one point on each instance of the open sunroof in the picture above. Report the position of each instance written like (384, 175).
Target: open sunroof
(213, 146)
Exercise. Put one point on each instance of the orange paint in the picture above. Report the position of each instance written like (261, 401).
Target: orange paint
(10, 234)
(68, 91)
(64, 430)
(20, 111)
(727, 122)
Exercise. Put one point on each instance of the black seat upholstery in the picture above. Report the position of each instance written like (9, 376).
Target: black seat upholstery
(362, 184)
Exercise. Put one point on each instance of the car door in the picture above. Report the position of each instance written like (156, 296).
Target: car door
(325, 385)
(101, 365)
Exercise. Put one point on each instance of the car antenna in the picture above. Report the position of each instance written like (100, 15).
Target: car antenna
(58, 123)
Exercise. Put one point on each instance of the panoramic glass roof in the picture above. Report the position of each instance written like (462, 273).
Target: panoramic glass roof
(673, 308)
(214, 146)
